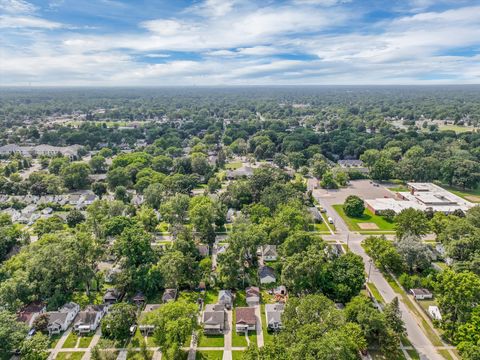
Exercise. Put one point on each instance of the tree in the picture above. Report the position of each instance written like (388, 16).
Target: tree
(122, 195)
(203, 215)
(328, 181)
(99, 188)
(319, 168)
(177, 269)
(393, 316)
(411, 221)
(148, 218)
(382, 169)
(353, 206)
(75, 175)
(118, 176)
(48, 225)
(384, 253)
(415, 253)
(98, 164)
(346, 277)
(175, 209)
(154, 195)
(457, 295)
(74, 217)
(41, 322)
(214, 184)
(174, 323)
(56, 165)
(116, 324)
(35, 348)
(12, 332)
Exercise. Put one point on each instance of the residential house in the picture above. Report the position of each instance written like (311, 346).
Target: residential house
(169, 295)
(267, 275)
(252, 295)
(139, 299)
(60, 320)
(225, 298)
(111, 296)
(29, 313)
(269, 253)
(213, 319)
(421, 294)
(244, 171)
(89, 319)
(246, 319)
(273, 316)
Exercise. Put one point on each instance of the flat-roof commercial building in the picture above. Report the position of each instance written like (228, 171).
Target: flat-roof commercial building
(421, 196)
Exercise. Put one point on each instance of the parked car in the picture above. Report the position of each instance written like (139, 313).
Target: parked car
(330, 220)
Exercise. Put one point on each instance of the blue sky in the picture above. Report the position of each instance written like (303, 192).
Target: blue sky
(239, 42)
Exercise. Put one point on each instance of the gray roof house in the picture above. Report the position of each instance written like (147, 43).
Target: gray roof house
(273, 316)
(169, 295)
(213, 319)
(269, 253)
(252, 295)
(267, 275)
(225, 298)
(111, 296)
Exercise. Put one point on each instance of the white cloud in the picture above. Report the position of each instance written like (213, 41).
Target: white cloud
(17, 6)
(7, 21)
(213, 8)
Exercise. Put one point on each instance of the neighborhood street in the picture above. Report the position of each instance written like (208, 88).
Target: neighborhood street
(419, 340)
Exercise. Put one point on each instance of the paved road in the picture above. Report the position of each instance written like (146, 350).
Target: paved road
(415, 334)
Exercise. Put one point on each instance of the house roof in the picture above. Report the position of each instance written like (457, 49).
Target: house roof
(214, 315)
(68, 307)
(269, 250)
(56, 317)
(225, 295)
(252, 292)
(139, 297)
(111, 294)
(420, 291)
(245, 315)
(169, 294)
(266, 271)
(274, 312)
(86, 318)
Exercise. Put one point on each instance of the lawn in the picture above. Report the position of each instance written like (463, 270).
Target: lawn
(456, 128)
(70, 341)
(237, 355)
(239, 340)
(322, 227)
(211, 296)
(399, 188)
(233, 165)
(137, 356)
(77, 355)
(375, 293)
(190, 297)
(240, 299)
(367, 217)
(211, 340)
(85, 341)
(209, 355)
(267, 336)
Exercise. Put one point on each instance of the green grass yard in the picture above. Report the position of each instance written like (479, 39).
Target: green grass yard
(70, 341)
(238, 339)
(237, 355)
(211, 296)
(211, 340)
(375, 293)
(85, 341)
(209, 355)
(267, 336)
(77, 355)
(240, 299)
(367, 217)
(137, 356)
(53, 340)
(233, 165)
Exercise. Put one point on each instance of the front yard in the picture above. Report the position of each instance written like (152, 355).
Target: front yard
(77, 355)
(239, 339)
(211, 340)
(368, 222)
(209, 355)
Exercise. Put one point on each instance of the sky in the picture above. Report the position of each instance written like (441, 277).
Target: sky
(238, 42)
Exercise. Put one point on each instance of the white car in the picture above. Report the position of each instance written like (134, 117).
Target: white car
(330, 220)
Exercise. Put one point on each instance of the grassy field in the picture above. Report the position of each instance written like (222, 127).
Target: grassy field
(77, 355)
(322, 227)
(456, 128)
(53, 340)
(85, 341)
(70, 341)
(367, 217)
(237, 355)
(211, 341)
(137, 356)
(211, 296)
(240, 299)
(209, 355)
(233, 165)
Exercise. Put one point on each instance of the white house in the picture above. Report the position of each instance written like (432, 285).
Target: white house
(89, 319)
(269, 253)
(273, 316)
(60, 320)
(225, 298)
(421, 294)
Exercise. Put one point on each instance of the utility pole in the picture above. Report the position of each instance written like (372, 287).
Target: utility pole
(348, 238)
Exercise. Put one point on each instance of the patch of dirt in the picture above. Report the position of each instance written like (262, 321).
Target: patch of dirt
(368, 226)
(473, 198)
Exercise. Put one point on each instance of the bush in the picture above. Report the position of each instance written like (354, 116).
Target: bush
(353, 206)
(388, 215)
